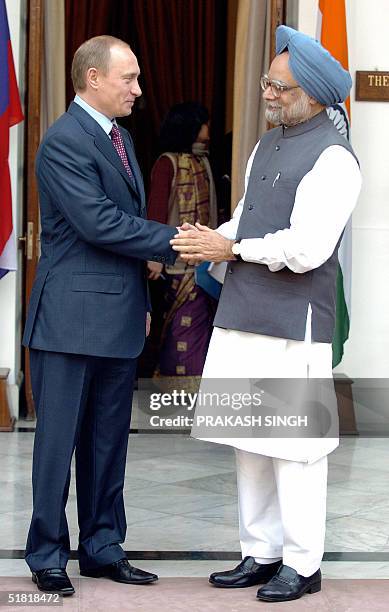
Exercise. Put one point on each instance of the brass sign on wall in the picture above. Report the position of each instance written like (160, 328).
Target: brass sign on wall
(372, 86)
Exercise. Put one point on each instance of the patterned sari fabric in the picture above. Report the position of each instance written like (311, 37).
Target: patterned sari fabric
(191, 189)
(189, 310)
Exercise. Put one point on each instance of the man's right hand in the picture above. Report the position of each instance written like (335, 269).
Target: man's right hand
(154, 270)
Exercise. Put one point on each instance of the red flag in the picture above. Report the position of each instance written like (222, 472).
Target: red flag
(10, 114)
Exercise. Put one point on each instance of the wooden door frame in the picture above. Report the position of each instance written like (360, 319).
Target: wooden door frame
(278, 17)
(32, 138)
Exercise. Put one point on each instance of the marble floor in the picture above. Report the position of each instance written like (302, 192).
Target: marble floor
(181, 504)
(178, 594)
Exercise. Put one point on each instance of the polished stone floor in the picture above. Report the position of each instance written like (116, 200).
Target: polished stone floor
(180, 499)
(177, 594)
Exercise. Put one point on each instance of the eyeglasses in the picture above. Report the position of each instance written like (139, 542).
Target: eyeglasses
(277, 87)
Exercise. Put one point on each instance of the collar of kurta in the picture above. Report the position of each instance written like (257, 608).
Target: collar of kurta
(306, 126)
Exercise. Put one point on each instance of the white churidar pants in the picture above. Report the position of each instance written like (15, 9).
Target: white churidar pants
(282, 510)
(282, 483)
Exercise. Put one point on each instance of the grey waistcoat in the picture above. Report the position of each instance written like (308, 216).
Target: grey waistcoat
(276, 303)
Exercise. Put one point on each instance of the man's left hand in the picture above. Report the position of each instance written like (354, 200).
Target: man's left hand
(202, 244)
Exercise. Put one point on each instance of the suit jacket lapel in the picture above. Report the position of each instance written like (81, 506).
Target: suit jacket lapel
(135, 168)
(102, 142)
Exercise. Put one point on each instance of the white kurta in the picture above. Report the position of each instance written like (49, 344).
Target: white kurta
(324, 201)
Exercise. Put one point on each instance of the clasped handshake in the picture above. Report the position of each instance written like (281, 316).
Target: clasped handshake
(197, 243)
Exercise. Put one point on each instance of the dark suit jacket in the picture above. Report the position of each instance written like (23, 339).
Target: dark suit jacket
(90, 291)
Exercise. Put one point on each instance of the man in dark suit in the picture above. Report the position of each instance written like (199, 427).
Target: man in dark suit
(87, 318)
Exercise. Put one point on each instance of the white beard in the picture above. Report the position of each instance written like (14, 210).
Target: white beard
(298, 112)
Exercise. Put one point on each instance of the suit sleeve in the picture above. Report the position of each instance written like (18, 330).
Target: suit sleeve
(69, 175)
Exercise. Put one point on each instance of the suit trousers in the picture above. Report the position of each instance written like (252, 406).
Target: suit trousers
(83, 404)
(282, 510)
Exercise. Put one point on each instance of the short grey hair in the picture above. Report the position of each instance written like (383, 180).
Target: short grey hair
(93, 53)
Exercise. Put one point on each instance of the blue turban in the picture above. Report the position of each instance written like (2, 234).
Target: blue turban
(318, 73)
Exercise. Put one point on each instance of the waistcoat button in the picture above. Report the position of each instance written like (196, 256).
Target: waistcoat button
(251, 206)
(263, 177)
(277, 147)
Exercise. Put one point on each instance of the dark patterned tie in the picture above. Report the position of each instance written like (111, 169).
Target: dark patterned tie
(118, 143)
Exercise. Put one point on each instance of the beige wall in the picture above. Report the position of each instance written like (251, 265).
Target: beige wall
(367, 351)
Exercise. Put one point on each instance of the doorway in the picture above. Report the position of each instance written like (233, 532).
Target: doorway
(186, 52)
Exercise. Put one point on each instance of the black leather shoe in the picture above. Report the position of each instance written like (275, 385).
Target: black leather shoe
(121, 571)
(287, 584)
(53, 581)
(246, 574)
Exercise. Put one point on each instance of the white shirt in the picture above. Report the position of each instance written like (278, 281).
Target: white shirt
(104, 121)
(324, 201)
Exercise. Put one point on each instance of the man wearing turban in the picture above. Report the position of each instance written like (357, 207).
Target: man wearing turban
(276, 313)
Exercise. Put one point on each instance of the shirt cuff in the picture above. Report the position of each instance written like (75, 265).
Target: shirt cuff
(227, 231)
(252, 250)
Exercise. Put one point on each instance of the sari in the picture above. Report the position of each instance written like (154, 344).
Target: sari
(189, 310)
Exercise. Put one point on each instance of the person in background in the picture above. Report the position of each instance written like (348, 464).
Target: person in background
(182, 190)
